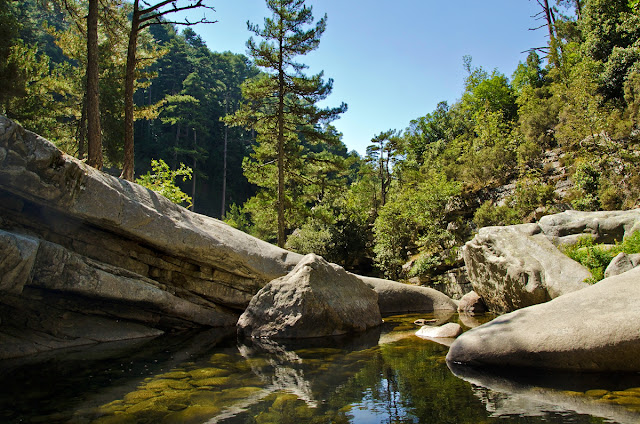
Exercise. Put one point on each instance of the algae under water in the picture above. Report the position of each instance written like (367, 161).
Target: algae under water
(384, 376)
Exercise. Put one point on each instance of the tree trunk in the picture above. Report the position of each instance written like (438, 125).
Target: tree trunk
(193, 176)
(553, 44)
(175, 146)
(383, 196)
(281, 197)
(129, 88)
(224, 162)
(94, 132)
(579, 9)
(82, 128)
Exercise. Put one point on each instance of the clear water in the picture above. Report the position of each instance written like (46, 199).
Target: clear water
(383, 376)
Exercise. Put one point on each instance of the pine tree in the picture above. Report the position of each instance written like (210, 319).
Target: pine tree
(280, 105)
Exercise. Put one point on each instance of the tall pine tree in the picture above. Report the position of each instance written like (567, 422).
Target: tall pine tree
(280, 105)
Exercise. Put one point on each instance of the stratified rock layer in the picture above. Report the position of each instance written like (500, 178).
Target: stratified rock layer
(594, 329)
(87, 257)
(316, 299)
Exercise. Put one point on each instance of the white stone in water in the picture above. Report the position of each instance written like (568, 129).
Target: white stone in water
(449, 330)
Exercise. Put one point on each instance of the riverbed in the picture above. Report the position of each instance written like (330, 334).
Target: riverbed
(387, 375)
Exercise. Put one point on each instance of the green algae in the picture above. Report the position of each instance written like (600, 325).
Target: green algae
(202, 373)
(177, 375)
(211, 381)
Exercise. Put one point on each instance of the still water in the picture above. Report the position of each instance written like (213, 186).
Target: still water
(384, 376)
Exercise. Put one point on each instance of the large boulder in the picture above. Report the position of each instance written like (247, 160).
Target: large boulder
(121, 223)
(86, 257)
(316, 299)
(594, 329)
(604, 226)
(398, 298)
(518, 266)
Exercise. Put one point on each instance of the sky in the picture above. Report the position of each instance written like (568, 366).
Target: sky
(393, 61)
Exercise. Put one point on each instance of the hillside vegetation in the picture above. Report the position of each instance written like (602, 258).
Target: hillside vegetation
(561, 131)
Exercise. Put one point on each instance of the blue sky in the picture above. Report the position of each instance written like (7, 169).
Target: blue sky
(393, 61)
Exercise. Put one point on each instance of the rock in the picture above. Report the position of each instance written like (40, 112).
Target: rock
(16, 262)
(604, 226)
(594, 329)
(394, 297)
(621, 263)
(517, 266)
(471, 304)
(449, 330)
(316, 299)
(87, 257)
(181, 247)
(424, 321)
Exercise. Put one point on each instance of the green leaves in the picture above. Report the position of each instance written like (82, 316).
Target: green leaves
(163, 181)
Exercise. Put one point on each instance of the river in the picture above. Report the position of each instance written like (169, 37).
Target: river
(383, 376)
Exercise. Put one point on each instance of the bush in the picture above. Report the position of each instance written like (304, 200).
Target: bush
(596, 257)
(163, 181)
(488, 214)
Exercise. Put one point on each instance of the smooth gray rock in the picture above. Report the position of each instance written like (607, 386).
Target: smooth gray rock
(34, 169)
(622, 263)
(17, 255)
(516, 266)
(448, 330)
(594, 329)
(471, 303)
(394, 297)
(604, 226)
(316, 299)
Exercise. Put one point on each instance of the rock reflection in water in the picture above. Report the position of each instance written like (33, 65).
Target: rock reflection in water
(532, 393)
(387, 375)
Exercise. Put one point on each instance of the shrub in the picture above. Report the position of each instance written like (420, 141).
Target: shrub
(596, 257)
(163, 181)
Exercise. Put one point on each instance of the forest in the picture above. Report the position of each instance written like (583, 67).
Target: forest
(241, 138)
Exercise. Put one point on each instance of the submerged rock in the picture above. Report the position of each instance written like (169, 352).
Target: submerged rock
(449, 330)
(594, 329)
(316, 299)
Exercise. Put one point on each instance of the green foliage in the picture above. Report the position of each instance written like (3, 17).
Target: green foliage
(489, 214)
(163, 181)
(414, 218)
(424, 265)
(237, 218)
(587, 182)
(596, 257)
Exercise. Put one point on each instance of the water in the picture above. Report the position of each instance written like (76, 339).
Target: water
(383, 376)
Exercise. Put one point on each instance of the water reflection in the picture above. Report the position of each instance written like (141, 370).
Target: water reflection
(612, 396)
(386, 375)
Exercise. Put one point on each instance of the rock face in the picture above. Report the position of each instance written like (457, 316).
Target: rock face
(87, 257)
(594, 329)
(316, 299)
(517, 266)
(394, 297)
